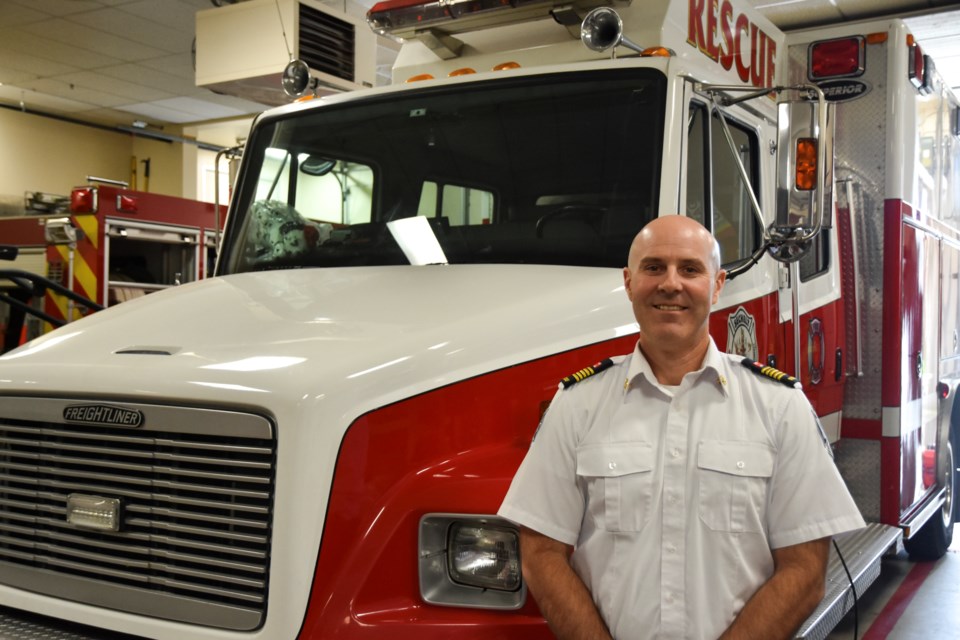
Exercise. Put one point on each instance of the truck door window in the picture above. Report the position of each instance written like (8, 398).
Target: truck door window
(716, 195)
(557, 169)
(458, 205)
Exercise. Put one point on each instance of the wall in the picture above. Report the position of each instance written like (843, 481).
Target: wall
(44, 154)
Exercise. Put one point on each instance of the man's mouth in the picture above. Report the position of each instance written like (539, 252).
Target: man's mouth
(668, 307)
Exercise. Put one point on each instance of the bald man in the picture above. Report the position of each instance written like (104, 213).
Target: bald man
(675, 493)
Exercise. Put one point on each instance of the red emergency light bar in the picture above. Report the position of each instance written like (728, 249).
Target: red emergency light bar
(404, 18)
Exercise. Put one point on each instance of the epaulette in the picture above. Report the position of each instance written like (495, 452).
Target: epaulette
(770, 372)
(583, 374)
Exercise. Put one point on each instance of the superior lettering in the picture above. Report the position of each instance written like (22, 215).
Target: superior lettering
(732, 40)
(102, 414)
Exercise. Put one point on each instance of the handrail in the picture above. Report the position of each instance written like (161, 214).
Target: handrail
(45, 283)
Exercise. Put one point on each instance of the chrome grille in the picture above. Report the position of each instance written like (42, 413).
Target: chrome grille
(196, 493)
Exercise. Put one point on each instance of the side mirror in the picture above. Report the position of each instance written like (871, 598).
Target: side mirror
(804, 167)
(8, 252)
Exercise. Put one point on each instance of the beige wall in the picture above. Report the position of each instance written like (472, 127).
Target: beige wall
(44, 154)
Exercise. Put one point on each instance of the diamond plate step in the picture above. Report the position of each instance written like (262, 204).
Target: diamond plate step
(862, 551)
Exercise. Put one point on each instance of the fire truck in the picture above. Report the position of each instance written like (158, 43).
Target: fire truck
(115, 244)
(313, 443)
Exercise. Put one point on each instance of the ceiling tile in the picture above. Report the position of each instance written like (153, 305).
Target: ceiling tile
(45, 48)
(144, 75)
(170, 13)
(184, 110)
(13, 76)
(59, 7)
(180, 65)
(36, 101)
(32, 65)
(13, 15)
(132, 27)
(108, 44)
(76, 92)
(127, 89)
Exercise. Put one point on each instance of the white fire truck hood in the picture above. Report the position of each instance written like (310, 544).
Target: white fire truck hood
(369, 336)
(312, 350)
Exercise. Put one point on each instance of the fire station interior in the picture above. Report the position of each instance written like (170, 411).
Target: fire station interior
(114, 99)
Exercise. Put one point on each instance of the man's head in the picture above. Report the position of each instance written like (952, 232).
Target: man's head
(672, 278)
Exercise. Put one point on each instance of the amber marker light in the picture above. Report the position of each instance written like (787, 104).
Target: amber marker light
(806, 164)
(877, 38)
(463, 71)
(420, 77)
(504, 66)
(655, 52)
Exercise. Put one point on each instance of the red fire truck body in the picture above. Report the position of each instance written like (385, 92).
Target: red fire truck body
(408, 271)
(115, 244)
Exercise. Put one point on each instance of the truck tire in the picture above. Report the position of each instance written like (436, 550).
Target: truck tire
(936, 535)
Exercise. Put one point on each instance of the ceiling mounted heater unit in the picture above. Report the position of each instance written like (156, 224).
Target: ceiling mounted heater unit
(241, 49)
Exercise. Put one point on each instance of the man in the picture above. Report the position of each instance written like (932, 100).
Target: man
(677, 493)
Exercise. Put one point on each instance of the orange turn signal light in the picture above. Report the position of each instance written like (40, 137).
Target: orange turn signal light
(418, 78)
(463, 71)
(503, 66)
(661, 52)
(806, 164)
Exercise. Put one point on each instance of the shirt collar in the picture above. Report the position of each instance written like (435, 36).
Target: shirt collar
(712, 368)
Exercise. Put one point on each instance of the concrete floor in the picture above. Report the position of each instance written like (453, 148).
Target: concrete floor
(910, 601)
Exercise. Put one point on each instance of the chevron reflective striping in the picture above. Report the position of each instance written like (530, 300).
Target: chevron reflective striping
(90, 227)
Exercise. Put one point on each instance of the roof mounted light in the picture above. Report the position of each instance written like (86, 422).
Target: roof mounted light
(296, 79)
(413, 18)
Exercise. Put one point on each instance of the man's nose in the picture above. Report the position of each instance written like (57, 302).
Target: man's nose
(671, 280)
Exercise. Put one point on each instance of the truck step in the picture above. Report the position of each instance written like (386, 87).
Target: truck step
(862, 551)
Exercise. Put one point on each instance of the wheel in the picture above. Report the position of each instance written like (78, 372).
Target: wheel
(933, 540)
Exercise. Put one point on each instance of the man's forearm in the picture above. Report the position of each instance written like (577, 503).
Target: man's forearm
(781, 605)
(564, 600)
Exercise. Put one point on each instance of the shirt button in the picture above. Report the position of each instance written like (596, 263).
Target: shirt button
(669, 598)
(671, 548)
(740, 464)
(613, 465)
(676, 453)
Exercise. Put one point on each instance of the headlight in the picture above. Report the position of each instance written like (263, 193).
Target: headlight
(470, 561)
(484, 555)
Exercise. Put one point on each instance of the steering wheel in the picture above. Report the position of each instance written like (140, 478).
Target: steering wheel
(580, 210)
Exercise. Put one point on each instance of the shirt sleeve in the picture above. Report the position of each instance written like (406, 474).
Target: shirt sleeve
(808, 498)
(544, 495)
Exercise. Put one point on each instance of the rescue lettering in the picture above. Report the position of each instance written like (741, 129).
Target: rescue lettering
(732, 40)
(103, 414)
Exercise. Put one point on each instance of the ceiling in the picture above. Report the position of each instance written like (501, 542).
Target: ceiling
(114, 62)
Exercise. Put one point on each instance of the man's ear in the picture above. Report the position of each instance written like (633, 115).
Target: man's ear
(721, 279)
(626, 283)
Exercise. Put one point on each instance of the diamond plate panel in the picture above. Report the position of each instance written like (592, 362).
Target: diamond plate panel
(858, 461)
(20, 625)
(860, 156)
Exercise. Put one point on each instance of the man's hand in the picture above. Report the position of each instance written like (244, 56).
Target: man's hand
(780, 606)
(563, 598)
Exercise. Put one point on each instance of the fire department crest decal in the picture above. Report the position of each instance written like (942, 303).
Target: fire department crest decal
(742, 334)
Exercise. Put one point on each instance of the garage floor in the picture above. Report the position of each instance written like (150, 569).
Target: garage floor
(910, 601)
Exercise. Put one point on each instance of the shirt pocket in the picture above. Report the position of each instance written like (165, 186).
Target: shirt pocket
(618, 478)
(734, 478)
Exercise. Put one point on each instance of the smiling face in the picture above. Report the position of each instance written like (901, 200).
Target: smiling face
(672, 278)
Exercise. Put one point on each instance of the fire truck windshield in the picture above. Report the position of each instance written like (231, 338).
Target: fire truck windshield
(553, 169)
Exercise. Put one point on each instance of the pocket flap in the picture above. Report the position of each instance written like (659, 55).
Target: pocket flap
(614, 459)
(737, 458)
